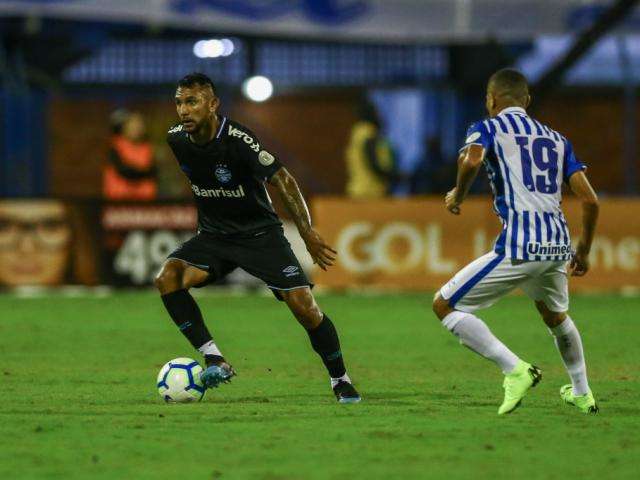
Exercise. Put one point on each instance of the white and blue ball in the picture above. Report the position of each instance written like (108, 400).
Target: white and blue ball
(179, 381)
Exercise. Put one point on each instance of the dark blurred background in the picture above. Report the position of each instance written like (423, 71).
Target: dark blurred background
(65, 66)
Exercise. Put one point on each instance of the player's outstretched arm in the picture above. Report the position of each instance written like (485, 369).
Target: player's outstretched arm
(468, 165)
(580, 185)
(323, 255)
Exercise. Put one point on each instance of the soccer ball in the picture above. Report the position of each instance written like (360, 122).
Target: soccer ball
(179, 381)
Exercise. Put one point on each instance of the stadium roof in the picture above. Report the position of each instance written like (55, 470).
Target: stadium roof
(353, 20)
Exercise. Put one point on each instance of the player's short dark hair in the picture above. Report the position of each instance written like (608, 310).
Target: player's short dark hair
(196, 78)
(509, 82)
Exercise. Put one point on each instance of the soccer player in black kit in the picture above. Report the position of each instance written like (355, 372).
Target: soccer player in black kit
(237, 227)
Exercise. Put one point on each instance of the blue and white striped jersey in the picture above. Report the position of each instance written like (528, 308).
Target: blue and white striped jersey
(527, 162)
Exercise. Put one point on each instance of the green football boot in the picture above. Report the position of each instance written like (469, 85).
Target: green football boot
(585, 403)
(516, 385)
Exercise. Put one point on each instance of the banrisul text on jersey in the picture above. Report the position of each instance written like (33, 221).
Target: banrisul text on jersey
(227, 178)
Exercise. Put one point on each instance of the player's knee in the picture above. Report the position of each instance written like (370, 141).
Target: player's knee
(550, 318)
(309, 316)
(169, 279)
(304, 308)
(553, 319)
(441, 306)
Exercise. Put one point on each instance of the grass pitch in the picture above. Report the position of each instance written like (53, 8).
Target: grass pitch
(79, 398)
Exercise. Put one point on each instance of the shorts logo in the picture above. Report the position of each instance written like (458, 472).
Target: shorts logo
(223, 174)
(291, 271)
(265, 158)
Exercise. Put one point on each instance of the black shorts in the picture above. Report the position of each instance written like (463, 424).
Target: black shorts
(266, 255)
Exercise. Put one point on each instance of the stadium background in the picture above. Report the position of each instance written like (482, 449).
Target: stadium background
(67, 65)
(73, 349)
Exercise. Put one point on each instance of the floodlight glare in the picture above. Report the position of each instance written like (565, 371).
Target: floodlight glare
(227, 47)
(213, 48)
(257, 88)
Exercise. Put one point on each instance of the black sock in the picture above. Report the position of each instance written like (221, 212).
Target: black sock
(324, 340)
(185, 313)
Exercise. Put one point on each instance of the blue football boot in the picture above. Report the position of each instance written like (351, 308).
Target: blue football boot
(218, 371)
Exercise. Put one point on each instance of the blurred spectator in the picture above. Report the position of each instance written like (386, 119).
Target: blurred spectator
(130, 172)
(35, 242)
(371, 166)
(434, 174)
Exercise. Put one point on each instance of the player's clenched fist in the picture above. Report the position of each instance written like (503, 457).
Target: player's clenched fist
(579, 265)
(451, 202)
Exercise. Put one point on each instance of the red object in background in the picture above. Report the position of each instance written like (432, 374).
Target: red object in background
(131, 157)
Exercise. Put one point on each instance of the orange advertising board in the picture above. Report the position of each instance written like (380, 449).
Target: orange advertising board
(415, 244)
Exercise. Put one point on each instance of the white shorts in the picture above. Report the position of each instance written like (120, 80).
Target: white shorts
(485, 280)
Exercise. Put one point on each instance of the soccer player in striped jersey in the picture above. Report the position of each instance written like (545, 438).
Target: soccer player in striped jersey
(526, 162)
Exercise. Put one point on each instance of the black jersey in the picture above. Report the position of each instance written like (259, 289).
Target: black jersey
(227, 177)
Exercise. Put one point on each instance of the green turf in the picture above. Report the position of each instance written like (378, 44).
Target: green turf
(79, 398)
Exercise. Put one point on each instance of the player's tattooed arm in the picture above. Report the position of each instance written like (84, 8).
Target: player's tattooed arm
(468, 165)
(590, 208)
(323, 255)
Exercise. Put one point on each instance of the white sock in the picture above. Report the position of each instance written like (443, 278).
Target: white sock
(210, 348)
(474, 334)
(343, 378)
(567, 339)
